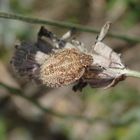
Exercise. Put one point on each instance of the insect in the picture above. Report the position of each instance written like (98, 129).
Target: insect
(57, 62)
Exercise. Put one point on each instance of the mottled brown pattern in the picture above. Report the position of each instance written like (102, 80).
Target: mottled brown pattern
(63, 61)
(64, 67)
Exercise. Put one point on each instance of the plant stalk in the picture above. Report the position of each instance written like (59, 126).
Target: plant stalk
(65, 25)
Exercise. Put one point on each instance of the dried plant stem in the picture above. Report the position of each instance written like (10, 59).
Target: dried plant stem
(65, 25)
(127, 72)
(132, 73)
(18, 92)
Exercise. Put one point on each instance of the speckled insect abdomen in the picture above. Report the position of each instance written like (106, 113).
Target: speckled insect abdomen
(64, 67)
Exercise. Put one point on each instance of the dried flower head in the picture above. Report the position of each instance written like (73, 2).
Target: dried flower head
(65, 61)
(51, 66)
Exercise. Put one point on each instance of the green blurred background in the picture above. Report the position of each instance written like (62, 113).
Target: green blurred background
(116, 110)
